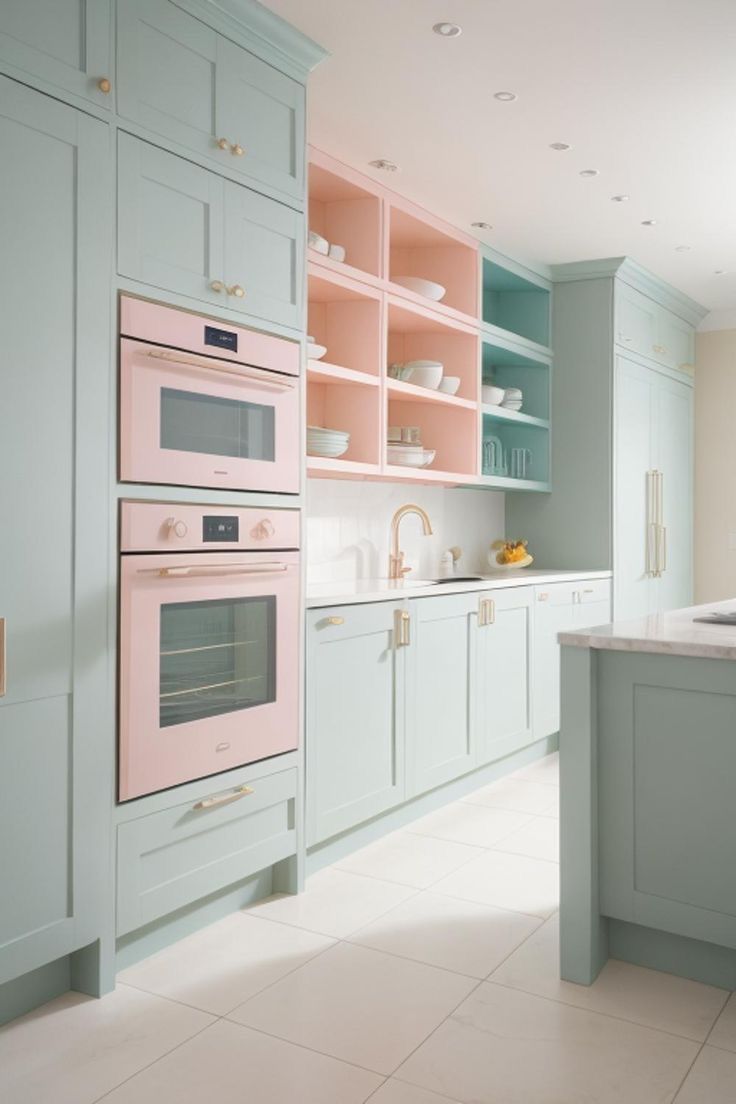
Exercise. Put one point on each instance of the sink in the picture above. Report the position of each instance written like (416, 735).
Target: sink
(458, 579)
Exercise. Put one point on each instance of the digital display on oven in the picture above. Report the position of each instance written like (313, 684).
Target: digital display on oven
(221, 339)
(215, 528)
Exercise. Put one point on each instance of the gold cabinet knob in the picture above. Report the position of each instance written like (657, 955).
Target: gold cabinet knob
(334, 620)
(104, 85)
(237, 150)
(224, 144)
(236, 290)
(217, 285)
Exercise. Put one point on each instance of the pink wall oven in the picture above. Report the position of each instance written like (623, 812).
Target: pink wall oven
(205, 404)
(209, 641)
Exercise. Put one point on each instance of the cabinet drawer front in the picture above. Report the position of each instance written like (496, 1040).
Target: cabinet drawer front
(171, 858)
(594, 591)
(170, 221)
(636, 320)
(66, 43)
(264, 254)
(554, 595)
(261, 111)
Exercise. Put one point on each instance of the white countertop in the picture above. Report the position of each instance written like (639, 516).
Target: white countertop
(671, 633)
(352, 591)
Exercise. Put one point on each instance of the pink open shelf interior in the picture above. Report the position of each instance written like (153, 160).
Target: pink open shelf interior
(346, 215)
(418, 248)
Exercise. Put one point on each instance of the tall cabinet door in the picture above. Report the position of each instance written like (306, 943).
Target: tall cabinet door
(554, 612)
(355, 716)
(503, 680)
(634, 435)
(674, 410)
(55, 724)
(66, 43)
(441, 658)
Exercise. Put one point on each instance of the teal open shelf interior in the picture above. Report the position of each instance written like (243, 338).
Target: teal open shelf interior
(507, 368)
(515, 304)
(515, 450)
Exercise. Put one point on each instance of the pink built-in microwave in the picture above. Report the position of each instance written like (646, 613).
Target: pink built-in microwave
(206, 404)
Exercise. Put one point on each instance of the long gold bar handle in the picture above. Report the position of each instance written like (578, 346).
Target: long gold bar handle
(651, 532)
(3, 657)
(402, 627)
(223, 799)
(486, 612)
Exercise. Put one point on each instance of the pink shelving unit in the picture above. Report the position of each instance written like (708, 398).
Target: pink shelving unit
(346, 212)
(418, 244)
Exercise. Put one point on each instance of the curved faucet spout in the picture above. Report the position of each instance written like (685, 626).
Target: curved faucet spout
(396, 569)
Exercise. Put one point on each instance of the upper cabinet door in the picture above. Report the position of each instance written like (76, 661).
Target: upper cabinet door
(676, 344)
(261, 113)
(264, 256)
(66, 43)
(637, 319)
(170, 222)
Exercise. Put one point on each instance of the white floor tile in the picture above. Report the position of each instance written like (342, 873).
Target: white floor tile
(506, 881)
(476, 825)
(647, 997)
(506, 1047)
(399, 1092)
(448, 932)
(228, 1064)
(724, 1033)
(334, 903)
(356, 1004)
(224, 964)
(75, 1048)
(712, 1080)
(542, 770)
(539, 839)
(409, 859)
(517, 794)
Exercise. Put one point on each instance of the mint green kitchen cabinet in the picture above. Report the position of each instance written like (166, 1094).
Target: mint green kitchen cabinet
(502, 686)
(182, 80)
(355, 709)
(647, 327)
(440, 736)
(561, 607)
(184, 229)
(56, 761)
(66, 44)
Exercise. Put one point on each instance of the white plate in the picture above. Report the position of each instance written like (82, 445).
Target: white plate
(428, 288)
(316, 352)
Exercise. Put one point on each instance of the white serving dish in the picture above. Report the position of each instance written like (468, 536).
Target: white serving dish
(410, 456)
(337, 252)
(424, 373)
(449, 385)
(318, 243)
(428, 288)
(492, 395)
(315, 352)
(330, 452)
(526, 562)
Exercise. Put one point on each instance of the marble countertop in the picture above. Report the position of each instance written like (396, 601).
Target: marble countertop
(352, 591)
(671, 633)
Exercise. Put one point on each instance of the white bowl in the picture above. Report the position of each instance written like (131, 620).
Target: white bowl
(511, 404)
(449, 385)
(424, 373)
(514, 393)
(491, 395)
(318, 243)
(330, 452)
(410, 457)
(428, 288)
(315, 351)
(337, 252)
(526, 562)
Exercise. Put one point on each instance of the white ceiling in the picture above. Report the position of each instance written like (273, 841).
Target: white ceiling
(643, 90)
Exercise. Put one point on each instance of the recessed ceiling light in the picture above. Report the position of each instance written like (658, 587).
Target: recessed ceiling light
(505, 97)
(381, 163)
(649, 222)
(559, 146)
(619, 198)
(447, 30)
(682, 248)
(721, 272)
(589, 172)
(482, 225)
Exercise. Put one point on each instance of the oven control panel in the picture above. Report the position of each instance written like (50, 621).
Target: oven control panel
(177, 526)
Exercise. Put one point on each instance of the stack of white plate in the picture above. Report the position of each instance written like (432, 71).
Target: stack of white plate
(409, 456)
(513, 399)
(327, 442)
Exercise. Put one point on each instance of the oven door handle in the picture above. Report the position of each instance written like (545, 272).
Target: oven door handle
(260, 376)
(215, 570)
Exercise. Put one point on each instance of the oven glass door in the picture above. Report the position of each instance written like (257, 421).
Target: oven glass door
(209, 665)
(202, 422)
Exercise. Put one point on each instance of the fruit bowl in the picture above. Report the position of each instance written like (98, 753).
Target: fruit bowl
(508, 566)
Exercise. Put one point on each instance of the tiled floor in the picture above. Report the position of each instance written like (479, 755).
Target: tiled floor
(421, 970)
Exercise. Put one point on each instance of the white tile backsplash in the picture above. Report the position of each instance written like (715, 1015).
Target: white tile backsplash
(348, 528)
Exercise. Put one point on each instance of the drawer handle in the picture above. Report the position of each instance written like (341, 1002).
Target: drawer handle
(402, 623)
(236, 290)
(543, 597)
(223, 799)
(334, 620)
(486, 612)
(104, 85)
(237, 150)
(217, 285)
(223, 144)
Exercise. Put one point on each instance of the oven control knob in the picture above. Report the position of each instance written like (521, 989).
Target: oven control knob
(263, 530)
(177, 528)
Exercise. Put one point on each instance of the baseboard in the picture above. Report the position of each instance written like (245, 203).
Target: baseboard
(674, 954)
(28, 991)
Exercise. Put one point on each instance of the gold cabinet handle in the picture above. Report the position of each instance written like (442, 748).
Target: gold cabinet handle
(543, 597)
(486, 612)
(3, 656)
(236, 290)
(402, 627)
(223, 799)
(217, 285)
(334, 620)
(237, 150)
(223, 144)
(104, 85)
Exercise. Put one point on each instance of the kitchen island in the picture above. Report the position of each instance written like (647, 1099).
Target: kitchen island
(647, 779)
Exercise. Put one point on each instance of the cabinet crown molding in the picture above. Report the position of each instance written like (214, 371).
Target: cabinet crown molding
(634, 274)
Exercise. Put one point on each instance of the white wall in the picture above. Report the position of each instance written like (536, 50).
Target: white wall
(348, 528)
(715, 466)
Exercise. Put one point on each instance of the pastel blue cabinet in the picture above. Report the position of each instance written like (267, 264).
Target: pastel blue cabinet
(55, 716)
(441, 660)
(66, 43)
(651, 329)
(355, 708)
(182, 80)
(502, 687)
(184, 229)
